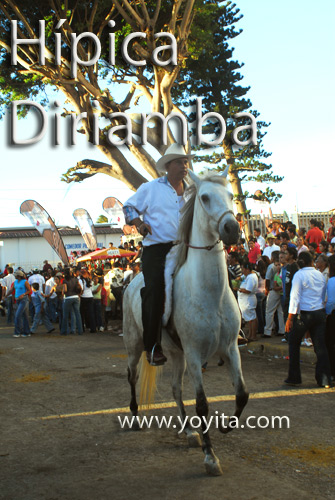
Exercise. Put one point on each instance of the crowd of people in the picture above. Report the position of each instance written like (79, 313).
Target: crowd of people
(284, 282)
(75, 298)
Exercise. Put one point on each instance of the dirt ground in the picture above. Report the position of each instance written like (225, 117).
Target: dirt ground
(88, 456)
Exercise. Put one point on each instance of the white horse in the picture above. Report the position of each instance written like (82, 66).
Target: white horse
(205, 318)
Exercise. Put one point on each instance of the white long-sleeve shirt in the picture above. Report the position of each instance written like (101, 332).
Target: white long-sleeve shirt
(308, 291)
(157, 201)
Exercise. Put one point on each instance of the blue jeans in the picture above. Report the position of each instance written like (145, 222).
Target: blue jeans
(38, 316)
(51, 309)
(21, 316)
(70, 305)
(315, 322)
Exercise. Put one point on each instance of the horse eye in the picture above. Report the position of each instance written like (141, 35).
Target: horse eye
(204, 198)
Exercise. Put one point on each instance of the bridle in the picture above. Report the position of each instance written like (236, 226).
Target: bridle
(210, 247)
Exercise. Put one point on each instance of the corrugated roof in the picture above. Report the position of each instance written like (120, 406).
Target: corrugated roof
(30, 232)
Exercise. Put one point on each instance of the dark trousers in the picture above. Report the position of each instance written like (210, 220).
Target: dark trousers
(330, 341)
(87, 313)
(315, 322)
(153, 294)
(117, 292)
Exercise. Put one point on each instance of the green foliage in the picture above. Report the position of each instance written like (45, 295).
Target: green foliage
(213, 74)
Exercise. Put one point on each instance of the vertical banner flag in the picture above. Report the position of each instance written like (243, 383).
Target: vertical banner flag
(45, 226)
(113, 207)
(86, 227)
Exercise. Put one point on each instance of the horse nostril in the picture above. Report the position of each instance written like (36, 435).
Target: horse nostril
(227, 227)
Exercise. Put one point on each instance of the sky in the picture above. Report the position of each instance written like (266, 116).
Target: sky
(287, 48)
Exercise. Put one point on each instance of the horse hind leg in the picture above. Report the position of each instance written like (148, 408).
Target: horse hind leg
(178, 370)
(241, 393)
(133, 360)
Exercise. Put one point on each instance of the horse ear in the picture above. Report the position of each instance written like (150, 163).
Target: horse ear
(194, 177)
(225, 172)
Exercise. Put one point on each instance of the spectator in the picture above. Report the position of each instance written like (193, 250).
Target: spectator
(254, 252)
(307, 296)
(285, 239)
(86, 302)
(321, 265)
(259, 238)
(40, 313)
(331, 230)
(260, 295)
(314, 235)
(72, 290)
(8, 281)
(116, 284)
(247, 299)
(21, 290)
(46, 266)
(301, 247)
(234, 270)
(271, 246)
(273, 302)
(292, 232)
(330, 311)
(97, 306)
(324, 248)
(291, 269)
(51, 296)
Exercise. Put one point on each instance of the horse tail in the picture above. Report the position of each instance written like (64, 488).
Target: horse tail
(148, 382)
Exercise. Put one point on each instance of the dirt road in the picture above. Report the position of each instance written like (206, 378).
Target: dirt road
(89, 456)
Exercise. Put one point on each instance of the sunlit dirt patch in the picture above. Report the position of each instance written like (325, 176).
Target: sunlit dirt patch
(33, 377)
(314, 456)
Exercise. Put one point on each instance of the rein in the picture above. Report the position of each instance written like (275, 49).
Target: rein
(210, 247)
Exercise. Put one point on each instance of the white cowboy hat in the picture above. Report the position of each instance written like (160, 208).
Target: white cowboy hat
(173, 152)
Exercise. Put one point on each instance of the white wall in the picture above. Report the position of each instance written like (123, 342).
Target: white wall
(29, 253)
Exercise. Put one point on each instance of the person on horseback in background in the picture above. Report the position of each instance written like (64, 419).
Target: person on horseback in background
(159, 203)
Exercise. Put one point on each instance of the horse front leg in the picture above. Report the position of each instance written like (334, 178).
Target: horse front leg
(212, 463)
(178, 370)
(241, 393)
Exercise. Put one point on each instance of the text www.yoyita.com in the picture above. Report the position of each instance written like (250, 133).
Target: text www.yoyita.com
(217, 421)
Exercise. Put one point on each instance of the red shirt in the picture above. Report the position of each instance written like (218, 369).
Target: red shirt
(253, 253)
(314, 235)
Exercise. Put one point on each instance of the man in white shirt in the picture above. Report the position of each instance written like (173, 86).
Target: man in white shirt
(259, 238)
(270, 239)
(158, 203)
(307, 298)
(51, 308)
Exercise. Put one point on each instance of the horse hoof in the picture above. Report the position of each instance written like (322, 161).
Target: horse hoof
(193, 440)
(225, 429)
(212, 466)
(135, 426)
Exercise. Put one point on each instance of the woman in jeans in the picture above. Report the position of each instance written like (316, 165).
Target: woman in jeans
(72, 291)
(22, 291)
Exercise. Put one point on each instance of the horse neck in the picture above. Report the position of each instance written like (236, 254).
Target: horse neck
(206, 265)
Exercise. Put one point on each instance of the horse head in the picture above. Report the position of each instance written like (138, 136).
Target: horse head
(216, 202)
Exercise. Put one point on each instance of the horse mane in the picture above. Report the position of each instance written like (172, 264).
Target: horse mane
(187, 216)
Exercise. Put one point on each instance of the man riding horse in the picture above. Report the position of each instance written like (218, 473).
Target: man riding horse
(159, 202)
